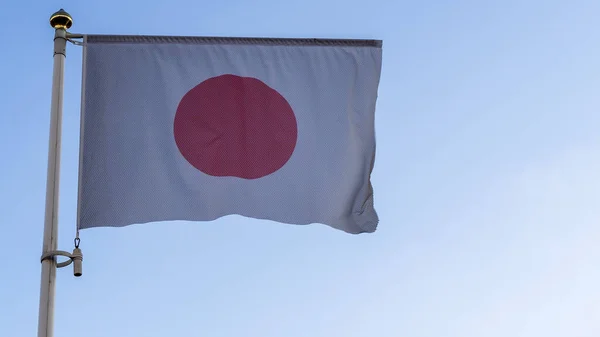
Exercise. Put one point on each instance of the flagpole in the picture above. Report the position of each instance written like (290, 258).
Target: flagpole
(60, 21)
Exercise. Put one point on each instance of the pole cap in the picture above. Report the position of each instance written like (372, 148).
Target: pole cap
(61, 20)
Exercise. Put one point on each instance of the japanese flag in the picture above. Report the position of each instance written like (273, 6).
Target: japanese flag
(192, 128)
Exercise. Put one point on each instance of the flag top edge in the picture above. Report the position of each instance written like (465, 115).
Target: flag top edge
(155, 39)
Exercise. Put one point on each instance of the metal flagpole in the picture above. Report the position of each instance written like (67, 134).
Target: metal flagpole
(60, 21)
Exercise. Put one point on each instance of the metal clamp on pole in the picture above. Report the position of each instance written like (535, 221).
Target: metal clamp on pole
(76, 258)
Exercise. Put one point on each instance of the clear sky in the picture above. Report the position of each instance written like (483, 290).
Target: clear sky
(487, 183)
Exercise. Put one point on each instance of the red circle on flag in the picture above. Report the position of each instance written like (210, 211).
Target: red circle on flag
(235, 126)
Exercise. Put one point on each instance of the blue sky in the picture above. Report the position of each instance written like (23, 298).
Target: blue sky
(486, 182)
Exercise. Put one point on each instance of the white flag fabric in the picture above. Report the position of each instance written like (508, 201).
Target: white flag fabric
(197, 128)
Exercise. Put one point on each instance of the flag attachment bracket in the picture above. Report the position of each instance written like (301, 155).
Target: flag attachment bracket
(76, 258)
(70, 37)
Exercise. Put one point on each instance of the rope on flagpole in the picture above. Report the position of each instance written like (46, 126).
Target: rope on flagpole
(76, 256)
